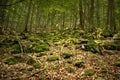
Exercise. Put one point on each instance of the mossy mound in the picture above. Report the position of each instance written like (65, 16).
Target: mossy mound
(79, 63)
(117, 63)
(89, 72)
(13, 60)
(67, 55)
(53, 58)
(115, 45)
(36, 47)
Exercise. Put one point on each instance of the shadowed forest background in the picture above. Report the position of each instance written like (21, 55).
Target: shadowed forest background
(59, 39)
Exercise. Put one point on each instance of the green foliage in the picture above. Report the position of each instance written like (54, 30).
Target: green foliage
(13, 60)
(31, 61)
(53, 58)
(36, 65)
(70, 69)
(16, 49)
(117, 63)
(67, 55)
(41, 54)
(79, 63)
(90, 72)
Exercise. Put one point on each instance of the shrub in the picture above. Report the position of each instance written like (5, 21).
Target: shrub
(70, 69)
(41, 54)
(31, 61)
(117, 63)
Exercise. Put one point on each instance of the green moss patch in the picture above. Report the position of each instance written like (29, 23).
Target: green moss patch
(67, 55)
(13, 60)
(53, 58)
(79, 63)
(117, 63)
(89, 72)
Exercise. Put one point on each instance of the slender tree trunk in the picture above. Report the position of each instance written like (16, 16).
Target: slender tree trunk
(81, 20)
(97, 13)
(111, 21)
(28, 16)
(91, 18)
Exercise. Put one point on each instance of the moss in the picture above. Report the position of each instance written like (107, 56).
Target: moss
(70, 69)
(69, 61)
(67, 55)
(13, 60)
(36, 65)
(79, 63)
(36, 47)
(41, 54)
(53, 58)
(31, 61)
(117, 63)
(90, 72)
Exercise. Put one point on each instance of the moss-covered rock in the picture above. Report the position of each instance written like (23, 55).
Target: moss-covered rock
(13, 60)
(53, 58)
(117, 63)
(79, 63)
(90, 72)
(36, 47)
(67, 55)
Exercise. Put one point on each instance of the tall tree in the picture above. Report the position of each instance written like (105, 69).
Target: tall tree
(110, 19)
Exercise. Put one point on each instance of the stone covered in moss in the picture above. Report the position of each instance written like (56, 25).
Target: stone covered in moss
(90, 72)
(67, 55)
(117, 63)
(13, 60)
(53, 58)
(79, 63)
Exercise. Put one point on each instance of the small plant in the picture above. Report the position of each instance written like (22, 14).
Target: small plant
(41, 54)
(67, 55)
(31, 61)
(13, 60)
(69, 61)
(90, 72)
(53, 58)
(36, 65)
(70, 69)
(79, 63)
(117, 63)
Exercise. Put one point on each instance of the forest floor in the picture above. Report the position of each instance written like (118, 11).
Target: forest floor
(56, 60)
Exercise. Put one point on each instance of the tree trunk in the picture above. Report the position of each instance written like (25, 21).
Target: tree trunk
(91, 18)
(111, 21)
(28, 16)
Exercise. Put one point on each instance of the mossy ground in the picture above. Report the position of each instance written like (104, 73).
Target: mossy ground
(53, 56)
